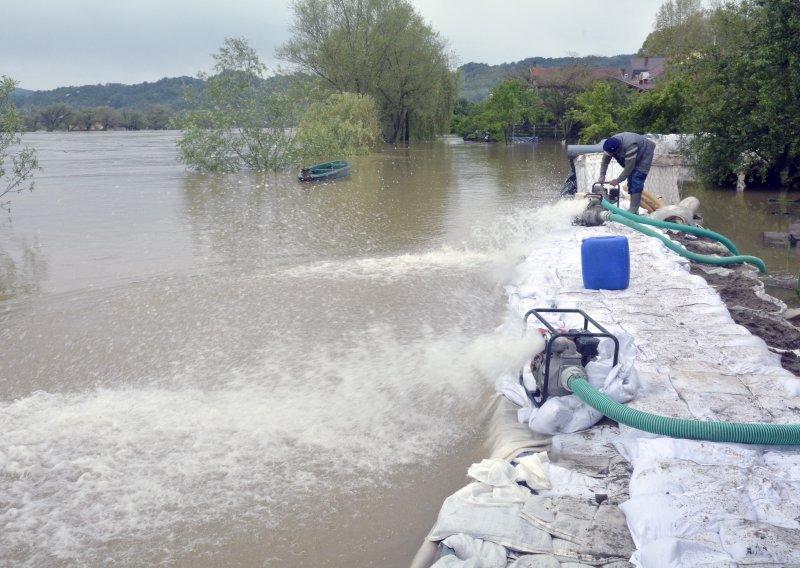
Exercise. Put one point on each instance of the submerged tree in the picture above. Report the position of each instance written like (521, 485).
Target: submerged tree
(21, 161)
(381, 48)
(240, 123)
(243, 121)
(343, 124)
(55, 117)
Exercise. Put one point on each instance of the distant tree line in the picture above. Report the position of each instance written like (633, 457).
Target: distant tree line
(65, 117)
(167, 92)
(146, 106)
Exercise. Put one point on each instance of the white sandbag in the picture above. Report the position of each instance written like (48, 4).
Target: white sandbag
(582, 529)
(476, 553)
(531, 470)
(484, 495)
(535, 561)
(752, 542)
(495, 472)
(673, 552)
(565, 481)
(498, 524)
(563, 414)
(678, 477)
(636, 445)
(775, 499)
(656, 516)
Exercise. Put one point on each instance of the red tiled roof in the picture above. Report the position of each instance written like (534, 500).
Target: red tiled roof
(630, 74)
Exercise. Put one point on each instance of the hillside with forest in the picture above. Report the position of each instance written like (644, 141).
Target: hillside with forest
(478, 79)
(154, 105)
(112, 105)
(167, 92)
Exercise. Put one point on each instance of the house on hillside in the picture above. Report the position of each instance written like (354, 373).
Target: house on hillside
(640, 73)
(643, 72)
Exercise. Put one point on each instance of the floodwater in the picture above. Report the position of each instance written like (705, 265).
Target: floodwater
(744, 217)
(243, 370)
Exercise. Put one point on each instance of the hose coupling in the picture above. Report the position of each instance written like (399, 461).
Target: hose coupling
(569, 373)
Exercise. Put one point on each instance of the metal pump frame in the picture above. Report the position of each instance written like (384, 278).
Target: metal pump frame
(555, 334)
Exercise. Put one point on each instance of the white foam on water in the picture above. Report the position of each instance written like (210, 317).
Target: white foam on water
(393, 267)
(118, 472)
(129, 466)
(499, 244)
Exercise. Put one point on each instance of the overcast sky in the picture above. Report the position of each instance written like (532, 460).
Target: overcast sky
(58, 43)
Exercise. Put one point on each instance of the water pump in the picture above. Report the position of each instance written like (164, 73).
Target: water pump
(566, 354)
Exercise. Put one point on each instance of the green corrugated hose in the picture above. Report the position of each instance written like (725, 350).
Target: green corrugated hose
(716, 260)
(733, 432)
(674, 226)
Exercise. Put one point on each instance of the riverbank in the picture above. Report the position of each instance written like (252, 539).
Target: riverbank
(748, 303)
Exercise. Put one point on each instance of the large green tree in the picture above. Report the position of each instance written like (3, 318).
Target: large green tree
(381, 48)
(665, 109)
(680, 27)
(746, 93)
(599, 110)
(17, 163)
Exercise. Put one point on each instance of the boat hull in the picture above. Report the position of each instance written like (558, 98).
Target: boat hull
(326, 171)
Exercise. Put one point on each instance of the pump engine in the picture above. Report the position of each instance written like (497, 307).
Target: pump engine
(566, 354)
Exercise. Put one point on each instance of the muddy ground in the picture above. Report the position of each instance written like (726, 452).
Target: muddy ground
(743, 292)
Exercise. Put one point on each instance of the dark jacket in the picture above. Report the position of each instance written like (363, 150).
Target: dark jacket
(634, 153)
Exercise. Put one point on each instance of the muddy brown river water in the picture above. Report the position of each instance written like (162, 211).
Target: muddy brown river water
(243, 370)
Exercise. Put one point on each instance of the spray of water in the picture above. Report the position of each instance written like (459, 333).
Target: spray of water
(499, 244)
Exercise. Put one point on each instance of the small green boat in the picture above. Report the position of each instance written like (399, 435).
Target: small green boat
(324, 172)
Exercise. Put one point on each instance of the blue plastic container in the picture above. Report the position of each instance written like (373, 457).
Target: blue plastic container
(606, 263)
